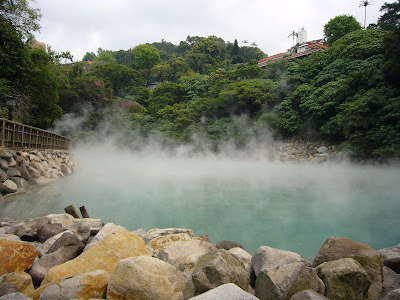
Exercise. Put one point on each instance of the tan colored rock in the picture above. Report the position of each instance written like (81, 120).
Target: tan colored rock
(103, 256)
(22, 281)
(153, 233)
(162, 241)
(106, 230)
(369, 258)
(16, 256)
(146, 277)
(92, 285)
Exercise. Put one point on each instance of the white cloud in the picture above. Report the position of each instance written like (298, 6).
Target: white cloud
(84, 26)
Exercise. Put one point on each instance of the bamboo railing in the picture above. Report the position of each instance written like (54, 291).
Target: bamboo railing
(19, 136)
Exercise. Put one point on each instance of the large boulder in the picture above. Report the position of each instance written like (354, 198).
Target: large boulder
(228, 291)
(13, 172)
(47, 231)
(183, 255)
(369, 258)
(267, 258)
(391, 258)
(217, 268)
(16, 256)
(243, 256)
(106, 230)
(25, 229)
(282, 282)
(21, 183)
(344, 279)
(21, 280)
(165, 240)
(84, 227)
(91, 285)
(24, 172)
(103, 256)
(67, 247)
(308, 295)
(391, 280)
(146, 277)
(43, 248)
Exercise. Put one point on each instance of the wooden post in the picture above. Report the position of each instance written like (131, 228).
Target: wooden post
(3, 131)
(72, 211)
(84, 212)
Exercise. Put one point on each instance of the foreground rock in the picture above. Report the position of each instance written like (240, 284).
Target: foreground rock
(391, 258)
(67, 247)
(21, 280)
(393, 295)
(15, 296)
(16, 256)
(282, 282)
(145, 277)
(90, 285)
(103, 256)
(228, 291)
(369, 258)
(391, 280)
(308, 295)
(217, 268)
(106, 230)
(344, 279)
(184, 255)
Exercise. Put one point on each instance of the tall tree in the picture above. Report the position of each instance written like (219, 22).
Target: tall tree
(235, 49)
(339, 26)
(293, 34)
(365, 3)
(23, 17)
(391, 17)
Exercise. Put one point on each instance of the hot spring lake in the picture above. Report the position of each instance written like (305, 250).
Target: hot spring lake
(253, 202)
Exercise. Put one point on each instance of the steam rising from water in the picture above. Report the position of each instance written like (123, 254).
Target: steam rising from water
(229, 195)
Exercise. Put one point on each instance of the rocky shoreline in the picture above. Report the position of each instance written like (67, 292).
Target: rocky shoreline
(21, 170)
(60, 257)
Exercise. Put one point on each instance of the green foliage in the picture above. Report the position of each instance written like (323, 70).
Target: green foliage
(89, 56)
(340, 26)
(105, 56)
(146, 56)
(23, 18)
(390, 20)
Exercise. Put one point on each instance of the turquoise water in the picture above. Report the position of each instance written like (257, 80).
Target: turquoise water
(250, 201)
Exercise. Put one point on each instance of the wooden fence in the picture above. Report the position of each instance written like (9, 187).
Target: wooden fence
(19, 136)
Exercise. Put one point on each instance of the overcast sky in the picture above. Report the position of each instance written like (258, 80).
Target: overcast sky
(82, 26)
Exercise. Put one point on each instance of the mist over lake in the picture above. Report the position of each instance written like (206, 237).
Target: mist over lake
(242, 198)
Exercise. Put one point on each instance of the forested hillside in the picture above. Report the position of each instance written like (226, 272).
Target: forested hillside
(208, 87)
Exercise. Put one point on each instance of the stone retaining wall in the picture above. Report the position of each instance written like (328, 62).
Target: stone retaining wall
(20, 170)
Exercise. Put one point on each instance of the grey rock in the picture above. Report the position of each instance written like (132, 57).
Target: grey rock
(391, 280)
(217, 268)
(40, 180)
(46, 231)
(3, 164)
(8, 186)
(282, 282)
(8, 288)
(205, 237)
(3, 176)
(308, 295)
(183, 255)
(24, 172)
(20, 182)
(67, 247)
(228, 291)
(153, 233)
(243, 256)
(391, 258)
(13, 172)
(15, 296)
(33, 172)
(266, 258)
(84, 227)
(393, 295)
(227, 245)
(10, 237)
(322, 149)
(344, 279)
(12, 162)
(6, 154)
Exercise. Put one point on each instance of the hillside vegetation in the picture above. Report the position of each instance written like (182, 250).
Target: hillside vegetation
(208, 87)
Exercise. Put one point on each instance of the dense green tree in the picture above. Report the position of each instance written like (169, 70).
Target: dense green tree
(89, 56)
(146, 56)
(391, 17)
(339, 26)
(235, 48)
(23, 17)
(105, 56)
